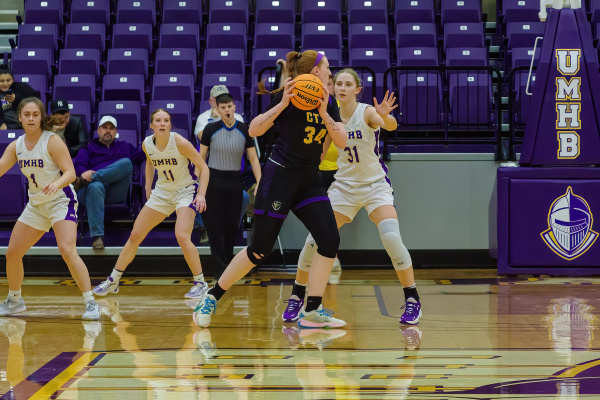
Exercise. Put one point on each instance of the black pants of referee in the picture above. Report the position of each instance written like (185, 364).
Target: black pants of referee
(222, 215)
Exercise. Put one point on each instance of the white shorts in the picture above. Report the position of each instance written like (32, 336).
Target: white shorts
(43, 216)
(348, 200)
(167, 201)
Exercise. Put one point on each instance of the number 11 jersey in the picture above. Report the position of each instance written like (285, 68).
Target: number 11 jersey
(175, 171)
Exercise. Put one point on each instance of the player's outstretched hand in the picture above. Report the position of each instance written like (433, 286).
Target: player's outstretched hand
(200, 203)
(50, 189)
(287, 92)
(324, 101)
(386, 105)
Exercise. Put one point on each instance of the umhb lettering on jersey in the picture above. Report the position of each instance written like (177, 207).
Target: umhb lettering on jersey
(164, 161)
(34, 163)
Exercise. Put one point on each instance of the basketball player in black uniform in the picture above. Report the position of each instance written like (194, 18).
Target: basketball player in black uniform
(290, 181)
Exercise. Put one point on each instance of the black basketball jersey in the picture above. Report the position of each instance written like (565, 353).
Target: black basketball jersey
(301, 135)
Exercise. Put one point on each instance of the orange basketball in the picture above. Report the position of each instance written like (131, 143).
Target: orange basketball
(308, 89)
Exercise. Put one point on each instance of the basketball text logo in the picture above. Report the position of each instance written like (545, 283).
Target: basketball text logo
(569, 232)
(568, 103)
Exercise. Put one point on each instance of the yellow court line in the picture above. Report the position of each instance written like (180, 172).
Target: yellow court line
(55, 384)
(578, 369)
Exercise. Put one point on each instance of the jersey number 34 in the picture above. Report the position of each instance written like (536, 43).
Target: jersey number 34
(311, 134)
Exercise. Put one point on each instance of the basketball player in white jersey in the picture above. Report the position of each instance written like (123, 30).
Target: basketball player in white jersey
(45, 160)
(361, 181)
(177, 190)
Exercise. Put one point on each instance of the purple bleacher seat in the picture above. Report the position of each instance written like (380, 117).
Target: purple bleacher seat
(463, 57)
(322, 11)
(277, 11)
(367, 11)
(181, 113)
(75, 87)
(13, 182)
(322, 36)
(179, 36)
(175, 61)
(132, 36)
(521, 56)
(123, 87)
(470, 95)
(44, 12)
(420, 98)
(594, 9)
(127, 61)
(376, 59)
(274, 36)
(91, 12)
(85, 36)
(37, 82)
(173, 87)
(226, 36)
(226, 61)
(520, 11)
(32, 61)
(234, 83)
(82, 109)
(127, 135)
(461, 11)
(136, 12)
(418, 34)
(368, 36)
(182, 12)
(414, 11)
(463, 35)
(80, 61)
(127, 113)
(520, 34)
(263, 58)
(38, 36)
(412, 56)
(522, 99)
(228, 11)
(7, 136)
(334, 56)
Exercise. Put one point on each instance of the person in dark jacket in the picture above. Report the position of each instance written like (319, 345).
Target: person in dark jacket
(11, 94)
(2, 123)
(104, 168)
(69, 127)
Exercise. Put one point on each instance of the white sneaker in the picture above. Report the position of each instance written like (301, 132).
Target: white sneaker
(204, 310)
(197, 291)
(10, 308)
(106, 287)
(92, 311)
(320, 318)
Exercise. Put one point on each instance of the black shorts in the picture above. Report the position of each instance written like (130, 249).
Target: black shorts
(327, 178)
(282, 189)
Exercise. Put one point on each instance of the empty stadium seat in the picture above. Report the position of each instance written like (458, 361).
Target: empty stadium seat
(368, 35)
(182, 12)
(226, 36)
(123, 87)
(234, 83)
(91, 12)
(226, 61)
(44, 12)
(521, 34)
(414, 11)
(13, 182)
(80, 61)
(179, 36)
(367, 11)
(176, 61)
(323, 11)
(522, 57)
(463, 35)
(470, 96)
(37, 82)
(416, 35)
(136, 12)
(173, 87)
(228, 11)
(422, 56)
(127, 114)
(279, 11)
(85, 36)
(321, 36)
(274, 36)
(181, 113)
(462, 57)
(420, 98)
(127, 61)
(132, 36)
(75, 87)
(38, 36)
(520, 11)
(460, 11)
(32, 61)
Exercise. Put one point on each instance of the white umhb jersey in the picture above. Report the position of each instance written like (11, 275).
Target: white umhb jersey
(39, 168)
(175, 171)
(359, 163)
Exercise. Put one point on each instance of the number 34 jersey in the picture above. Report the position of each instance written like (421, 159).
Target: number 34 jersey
(359, 162)
(39, 168)
(175, 171)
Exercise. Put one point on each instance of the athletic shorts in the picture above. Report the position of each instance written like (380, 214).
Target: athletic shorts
(43, 216)
(348, 200)
(167, 201)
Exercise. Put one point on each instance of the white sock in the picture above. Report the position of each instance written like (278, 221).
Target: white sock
(301, 284)
(116, 274)
(87, 297)
(14, 295)
(199, 277)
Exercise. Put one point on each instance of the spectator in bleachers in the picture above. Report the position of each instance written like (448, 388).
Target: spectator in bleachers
(69, 127)
(212, 115)
(104, 169)
(11, 94)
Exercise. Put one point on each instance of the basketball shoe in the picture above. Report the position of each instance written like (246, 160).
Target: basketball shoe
(204, 310)
(412, 313)
(197, 291)
(92, 311)
(106, 287)
(293, 309)
(321, 338)
(9, 307)
(319, 318)
(412, 337)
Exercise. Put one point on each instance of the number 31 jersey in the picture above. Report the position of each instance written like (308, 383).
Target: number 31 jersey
(359, 162)
(175, 171)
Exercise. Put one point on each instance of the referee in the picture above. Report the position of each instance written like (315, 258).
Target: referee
(223, 143)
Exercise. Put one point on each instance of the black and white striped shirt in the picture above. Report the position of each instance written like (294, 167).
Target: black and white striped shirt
(226, 145)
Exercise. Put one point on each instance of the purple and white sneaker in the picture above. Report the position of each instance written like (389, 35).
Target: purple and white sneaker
(412, 312)
(106, 287)
(293, 309)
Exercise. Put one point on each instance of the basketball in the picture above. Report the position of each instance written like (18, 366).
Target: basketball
(308, 89)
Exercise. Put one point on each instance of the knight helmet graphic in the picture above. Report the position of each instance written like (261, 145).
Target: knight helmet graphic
(569, 232)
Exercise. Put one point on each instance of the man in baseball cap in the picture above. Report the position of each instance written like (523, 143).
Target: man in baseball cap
(212, 115)
(69, 127)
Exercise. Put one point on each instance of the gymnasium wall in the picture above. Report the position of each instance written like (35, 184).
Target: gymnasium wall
(442, 202)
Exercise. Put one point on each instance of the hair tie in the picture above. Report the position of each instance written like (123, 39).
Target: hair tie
(318, 60)
(298, 56)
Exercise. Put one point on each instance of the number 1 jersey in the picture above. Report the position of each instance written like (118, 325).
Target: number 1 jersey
(175, 171)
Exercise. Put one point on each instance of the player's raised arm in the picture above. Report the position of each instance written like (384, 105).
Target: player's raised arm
(379, 115)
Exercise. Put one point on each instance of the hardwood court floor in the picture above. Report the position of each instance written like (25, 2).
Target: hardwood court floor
(481, 337)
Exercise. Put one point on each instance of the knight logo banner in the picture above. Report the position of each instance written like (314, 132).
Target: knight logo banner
(563, 127)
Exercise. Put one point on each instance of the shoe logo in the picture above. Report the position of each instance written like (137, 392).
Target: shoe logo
(276, 205)
(19, 153)
(569, 232)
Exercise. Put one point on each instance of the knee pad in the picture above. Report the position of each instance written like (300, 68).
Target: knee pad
(307, 253)
(250, 251)
(329, 244)
(389, 232)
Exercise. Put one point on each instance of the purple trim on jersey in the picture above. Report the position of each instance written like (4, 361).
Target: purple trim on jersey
(385, 168)
(270, 214)
(191, 168)
(71, 215)
(195, 194)
(309, 201)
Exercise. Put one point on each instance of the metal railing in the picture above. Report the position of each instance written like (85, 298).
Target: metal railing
(516, 119)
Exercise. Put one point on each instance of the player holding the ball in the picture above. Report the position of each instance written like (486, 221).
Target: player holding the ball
(290, 181)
